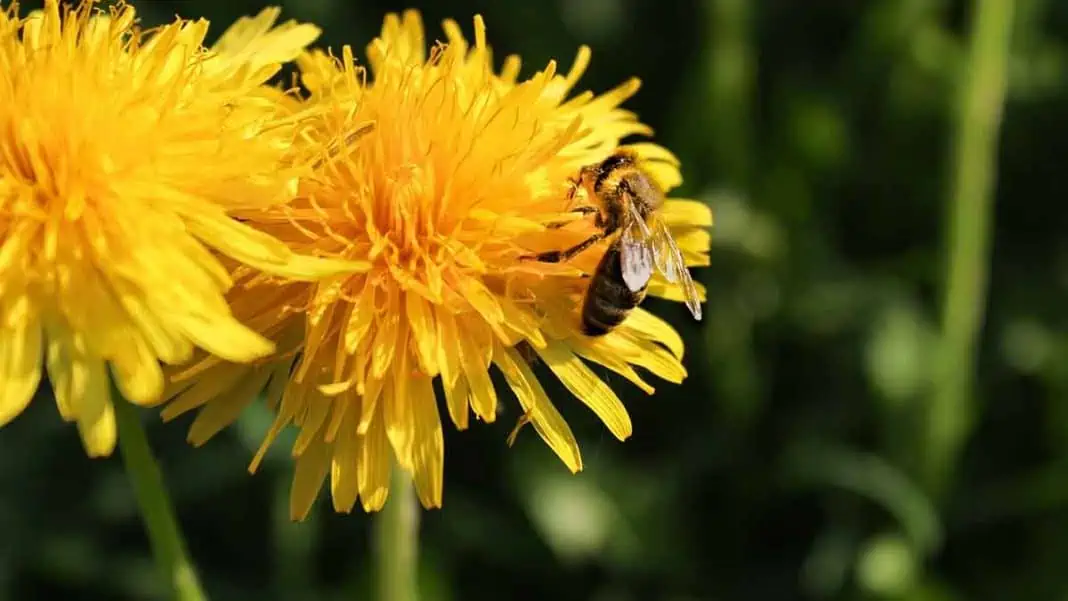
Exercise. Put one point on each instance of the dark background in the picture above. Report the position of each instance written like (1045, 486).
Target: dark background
(791, 464)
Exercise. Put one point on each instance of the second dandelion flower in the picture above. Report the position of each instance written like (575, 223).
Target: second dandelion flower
(443, 174)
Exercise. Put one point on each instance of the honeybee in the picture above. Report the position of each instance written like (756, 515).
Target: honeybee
(629, 202)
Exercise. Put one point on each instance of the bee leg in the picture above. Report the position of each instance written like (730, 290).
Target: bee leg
(556, 256)
(583, 210)
(601, 224)
(522, 421)
(573, 186)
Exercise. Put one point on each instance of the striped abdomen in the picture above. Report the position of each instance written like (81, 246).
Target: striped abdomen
(608, 300)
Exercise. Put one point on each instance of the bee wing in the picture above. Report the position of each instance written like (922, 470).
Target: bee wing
(661, 255)
(665, 256)
(675, 268)
(636, 220)
(646, 235)
(636, 255)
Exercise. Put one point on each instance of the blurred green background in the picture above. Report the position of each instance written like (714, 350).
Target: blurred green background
(817, 451)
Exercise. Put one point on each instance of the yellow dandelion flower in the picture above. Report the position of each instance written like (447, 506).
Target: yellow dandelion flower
(442, 173)
(122, 154)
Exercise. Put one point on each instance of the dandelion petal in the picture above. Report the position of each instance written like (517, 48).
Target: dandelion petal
(93, 411)
(374, 465)
(20, 367)
(483, 394)
(137, 372)
(588, 388)
(311, 468)
(344, 469)
(448, 350)
(547, 421)
(643, 323)
(421, 324)
(252, 39)
(428, 444)
(237, 240)
(227, 339)
(456, 396)
(686, 213)
(216, 416)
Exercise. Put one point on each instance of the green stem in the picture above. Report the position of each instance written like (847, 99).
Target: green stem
(294, 546)
(730, 65)
(168, 547)
(968, 238)
(732, 72)
(396, 540)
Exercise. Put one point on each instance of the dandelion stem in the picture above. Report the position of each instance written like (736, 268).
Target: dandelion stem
(168, 546)
(732, 73)
(396, 534)
(970, 204)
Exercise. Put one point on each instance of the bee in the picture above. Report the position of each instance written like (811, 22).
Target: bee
(629, 202)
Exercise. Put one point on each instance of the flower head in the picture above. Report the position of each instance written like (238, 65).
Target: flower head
(442, 173)
(123, 154)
